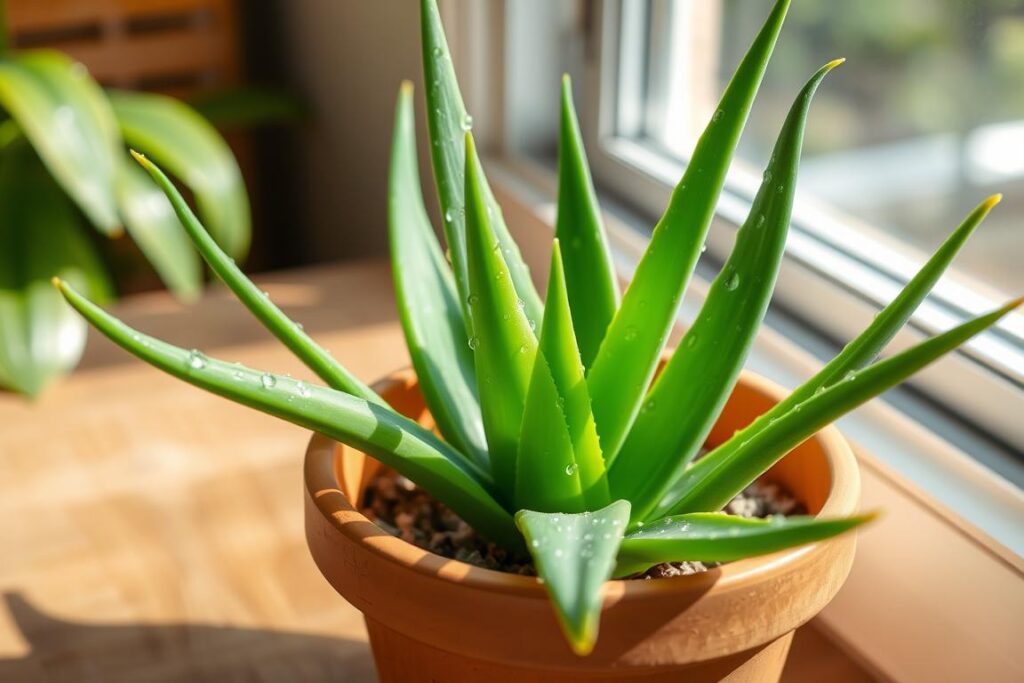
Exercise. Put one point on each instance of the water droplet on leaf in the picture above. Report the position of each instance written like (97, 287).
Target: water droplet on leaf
(474, 342)
(268, 381)
(196, 360)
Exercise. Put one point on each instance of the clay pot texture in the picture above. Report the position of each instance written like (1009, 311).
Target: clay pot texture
(437, 620)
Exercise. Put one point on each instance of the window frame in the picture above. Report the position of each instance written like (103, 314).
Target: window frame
(821, 243)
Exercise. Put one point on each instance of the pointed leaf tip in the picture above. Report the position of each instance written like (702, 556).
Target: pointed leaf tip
(992, 201)
(574, 555)
(834, 63)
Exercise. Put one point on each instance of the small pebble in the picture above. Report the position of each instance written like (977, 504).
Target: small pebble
(401, 509)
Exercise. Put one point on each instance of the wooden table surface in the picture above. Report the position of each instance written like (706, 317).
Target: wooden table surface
(152, 532)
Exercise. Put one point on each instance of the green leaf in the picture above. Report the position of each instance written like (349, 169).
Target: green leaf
(679, 412)
(247, 107)
(718, 537)
(40, 236)
(589, 273)
(751, 454)
(68, 121)
(633, 343)
(273, 318)
(396, 441)
(560, 468)
(428, 304)
(575, 555)
(858, 353)
(448, 123)
(502, 339)
(186, 144)
(150, 221)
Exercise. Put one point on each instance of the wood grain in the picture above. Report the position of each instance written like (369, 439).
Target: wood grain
(151, 532)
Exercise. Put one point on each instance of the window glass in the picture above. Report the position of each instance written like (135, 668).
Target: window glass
(924, 120)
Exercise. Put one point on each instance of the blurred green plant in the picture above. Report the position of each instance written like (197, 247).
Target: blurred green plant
(64, 164)
(554, 440)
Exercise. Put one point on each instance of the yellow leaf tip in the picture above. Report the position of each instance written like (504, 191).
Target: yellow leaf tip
(57, 282)
(992, 201)
(407, 87)
(834, 63)
(138, 156)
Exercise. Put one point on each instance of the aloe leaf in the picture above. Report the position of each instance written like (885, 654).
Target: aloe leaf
(502, 339)
(575, 555)
(40, 234)
(559, 467)
(68, 121)
(679, 412)
(150, 221)
(862, 350)
(718, 537)
(393, 439)
(448, 123)
(291, 334)
(427, 300)
(751, 454)
(186, 144)
(633, 343)
(589, 273)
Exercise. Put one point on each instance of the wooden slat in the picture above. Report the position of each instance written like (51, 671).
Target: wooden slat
(191, 44)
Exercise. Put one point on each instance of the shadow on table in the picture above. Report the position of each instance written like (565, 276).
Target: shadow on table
(80, 651)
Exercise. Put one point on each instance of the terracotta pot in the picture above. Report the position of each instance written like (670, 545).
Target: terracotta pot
(437, 620)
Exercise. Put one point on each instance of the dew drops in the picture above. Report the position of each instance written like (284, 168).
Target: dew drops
(767, 175)
(533, 325)
(649, 406)
(558, 552)
(437, 51)
(196, 360)
(302, 390)
(299, 327)
(449, 216)
(703, 247)
(779, 189)
(467, 122)
(473, 299)
(535, 543)
(520, 304)
(523, 349)
(474, 342)
(732, 281)
(691, 340)
(631, 333)
(505, 316)
(850, 376)
(820, 390)
(268, 381)
(718, 115)
(570, 469)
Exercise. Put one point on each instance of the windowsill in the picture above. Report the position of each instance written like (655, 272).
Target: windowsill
(947, 519)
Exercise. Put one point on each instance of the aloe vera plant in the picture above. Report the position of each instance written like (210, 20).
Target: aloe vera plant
(553, 439)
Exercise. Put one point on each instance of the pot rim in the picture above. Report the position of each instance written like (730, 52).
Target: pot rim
(321, 478)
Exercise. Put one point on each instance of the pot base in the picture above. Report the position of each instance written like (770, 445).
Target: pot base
(401, 659)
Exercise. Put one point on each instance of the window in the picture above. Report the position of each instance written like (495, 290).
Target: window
(924, 121)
